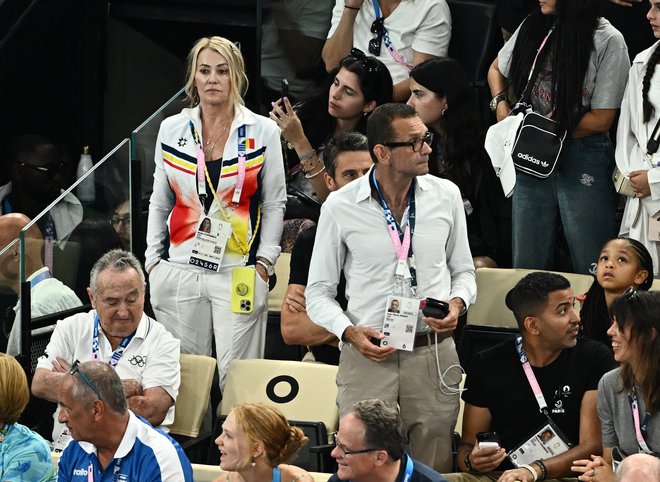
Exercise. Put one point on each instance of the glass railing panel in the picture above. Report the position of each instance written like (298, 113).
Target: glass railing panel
(143, 140)
(9, 288)
(59, 246)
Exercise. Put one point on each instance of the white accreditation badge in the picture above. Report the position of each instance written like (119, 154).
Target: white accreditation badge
(546, 442)
(399, 322)
(654, 228)
(210, 243)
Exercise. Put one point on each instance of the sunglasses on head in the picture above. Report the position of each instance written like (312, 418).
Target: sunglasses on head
(75, 368)
(368, 63)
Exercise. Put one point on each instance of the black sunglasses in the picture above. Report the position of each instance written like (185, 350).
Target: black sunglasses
(75, 368)
(630, 294)
(416, 145)
(48, 170)
(378, 27)
(369, 64)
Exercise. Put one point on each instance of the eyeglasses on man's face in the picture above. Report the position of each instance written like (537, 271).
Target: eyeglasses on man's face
(346, 452)
(375, 43)
(125, 220)
(49, 170)
(75, 368)
(415, 145)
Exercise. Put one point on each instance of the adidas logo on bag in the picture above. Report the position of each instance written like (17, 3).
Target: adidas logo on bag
(532, 159)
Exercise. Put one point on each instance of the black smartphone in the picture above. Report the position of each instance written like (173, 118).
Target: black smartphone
(488, 440)
(434, 308)
(284, 92)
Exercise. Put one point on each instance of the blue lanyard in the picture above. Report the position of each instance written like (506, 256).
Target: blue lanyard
(6, 206)
(409, 469)
(116, 355)
(276, 474)
(392, 224)
(39, 278)
(388, 43)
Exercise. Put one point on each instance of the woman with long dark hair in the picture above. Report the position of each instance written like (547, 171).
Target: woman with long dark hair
(640, 117)
(343, 103)
(441, 96)
(581, 77)
(629, 396)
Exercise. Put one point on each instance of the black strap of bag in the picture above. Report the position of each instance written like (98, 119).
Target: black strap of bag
(654, 141)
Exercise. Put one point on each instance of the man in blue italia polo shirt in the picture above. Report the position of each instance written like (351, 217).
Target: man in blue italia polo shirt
(111, 443)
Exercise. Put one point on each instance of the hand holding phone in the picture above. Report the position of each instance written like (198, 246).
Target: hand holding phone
(433, 308)
(488, 440)
(284, 92)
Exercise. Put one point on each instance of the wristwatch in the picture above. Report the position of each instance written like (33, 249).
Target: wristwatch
(265, 264)
(496, 100)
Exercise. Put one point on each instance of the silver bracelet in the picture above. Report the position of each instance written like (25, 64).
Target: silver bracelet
(310, 176)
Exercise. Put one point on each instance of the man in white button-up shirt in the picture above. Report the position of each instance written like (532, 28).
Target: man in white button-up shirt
(353, 236)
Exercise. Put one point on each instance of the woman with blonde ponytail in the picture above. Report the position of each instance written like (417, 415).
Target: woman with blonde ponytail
(640, 117)
(255, 443)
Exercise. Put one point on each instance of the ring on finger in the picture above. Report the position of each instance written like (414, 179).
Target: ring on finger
(593, 472)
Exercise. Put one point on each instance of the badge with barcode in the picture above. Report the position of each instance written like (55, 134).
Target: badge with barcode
(400, 322)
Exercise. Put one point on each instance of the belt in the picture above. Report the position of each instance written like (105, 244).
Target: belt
(428, 339)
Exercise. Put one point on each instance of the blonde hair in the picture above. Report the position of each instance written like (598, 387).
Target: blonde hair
(266, 424)
(14, 393)
(235, 62)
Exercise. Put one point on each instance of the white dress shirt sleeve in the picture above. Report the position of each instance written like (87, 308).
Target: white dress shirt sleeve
(324, 272)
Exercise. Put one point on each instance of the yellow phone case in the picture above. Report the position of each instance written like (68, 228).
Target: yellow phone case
(242, 289)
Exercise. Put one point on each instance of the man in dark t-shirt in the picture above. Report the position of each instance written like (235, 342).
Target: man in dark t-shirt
(346, 158)
(499, 396)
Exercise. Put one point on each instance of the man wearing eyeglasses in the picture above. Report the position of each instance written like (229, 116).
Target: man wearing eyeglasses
(110, 442)
(370, 447)
(121, 223)
(396, 233)
(144, 354)
(37, 177)
(400, 33)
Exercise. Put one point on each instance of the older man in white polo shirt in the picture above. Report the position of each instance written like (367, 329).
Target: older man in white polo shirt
(144, 354)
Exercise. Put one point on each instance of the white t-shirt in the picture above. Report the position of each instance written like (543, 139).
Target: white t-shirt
(151, 357)
(420, 25)
(46, 297)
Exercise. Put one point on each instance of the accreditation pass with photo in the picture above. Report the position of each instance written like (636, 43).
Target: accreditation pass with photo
(210, 243)
(399, 322)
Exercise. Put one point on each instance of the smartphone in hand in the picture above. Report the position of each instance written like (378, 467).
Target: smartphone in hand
(488, 440)
(434, 308)
(284, 92)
